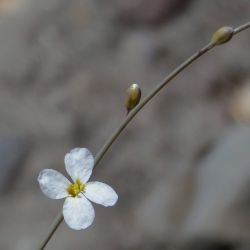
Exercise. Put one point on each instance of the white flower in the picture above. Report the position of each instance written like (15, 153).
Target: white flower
(78, 212)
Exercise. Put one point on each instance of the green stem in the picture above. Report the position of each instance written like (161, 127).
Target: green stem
(153, 92)
(241, 28)
(58, 220)
(133, 113)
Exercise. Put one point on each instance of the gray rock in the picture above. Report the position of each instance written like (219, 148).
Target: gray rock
(13, 152)
(148, 12)
(221, 189)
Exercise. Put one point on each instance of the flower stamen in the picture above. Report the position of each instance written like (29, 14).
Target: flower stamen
(76, 188)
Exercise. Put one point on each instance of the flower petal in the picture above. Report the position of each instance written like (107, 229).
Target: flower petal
(79, 163)
(78, 212)
(53, 184)
(101, 193)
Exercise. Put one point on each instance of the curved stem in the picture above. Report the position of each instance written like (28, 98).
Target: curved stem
(153, 92)
(58, 220)
(241, 28)
(133, 113)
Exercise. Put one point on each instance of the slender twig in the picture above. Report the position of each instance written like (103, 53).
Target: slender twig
(133, 113)
(158, 87)
(58, 220)
(241, 28)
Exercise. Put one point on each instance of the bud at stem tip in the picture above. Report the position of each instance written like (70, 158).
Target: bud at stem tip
(222, 35)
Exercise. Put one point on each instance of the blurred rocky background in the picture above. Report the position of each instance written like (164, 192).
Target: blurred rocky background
(181, 168)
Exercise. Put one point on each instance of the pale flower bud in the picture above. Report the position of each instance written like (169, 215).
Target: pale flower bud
(222, 35)
(133, 96)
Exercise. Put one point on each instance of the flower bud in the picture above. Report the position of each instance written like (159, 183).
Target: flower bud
(133, 96)
(222, 35)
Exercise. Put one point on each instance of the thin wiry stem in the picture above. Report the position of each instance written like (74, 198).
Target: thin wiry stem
(58, 220)
(241, 28)
(153, 92)
(133, 113)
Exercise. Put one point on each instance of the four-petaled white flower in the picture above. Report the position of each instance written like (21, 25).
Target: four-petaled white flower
(78, 212)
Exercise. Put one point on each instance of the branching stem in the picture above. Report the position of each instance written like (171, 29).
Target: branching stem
(133, 113)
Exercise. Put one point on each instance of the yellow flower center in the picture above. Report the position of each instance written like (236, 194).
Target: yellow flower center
(76, 188)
